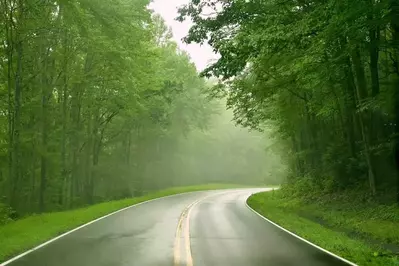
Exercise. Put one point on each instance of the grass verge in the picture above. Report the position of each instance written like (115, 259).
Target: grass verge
(335, 230)
(26, 233)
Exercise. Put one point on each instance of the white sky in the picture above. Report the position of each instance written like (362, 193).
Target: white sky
(200, 55)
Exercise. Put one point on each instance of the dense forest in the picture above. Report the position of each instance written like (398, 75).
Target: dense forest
(98, 103)
(324, 75)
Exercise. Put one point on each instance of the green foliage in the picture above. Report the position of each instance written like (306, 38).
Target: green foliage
(97, 103)
(90, 94)
(6, 214)
(323, 74)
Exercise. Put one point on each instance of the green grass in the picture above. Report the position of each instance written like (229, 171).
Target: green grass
(333, 234)
(23, 234)
(371, 222)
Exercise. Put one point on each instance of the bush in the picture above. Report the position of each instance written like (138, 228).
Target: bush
(6, 214)
(304, 187)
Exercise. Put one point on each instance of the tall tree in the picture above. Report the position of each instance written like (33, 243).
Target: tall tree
(310, 68)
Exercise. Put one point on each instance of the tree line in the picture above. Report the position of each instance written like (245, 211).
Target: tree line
(91, 93)
(323, 74)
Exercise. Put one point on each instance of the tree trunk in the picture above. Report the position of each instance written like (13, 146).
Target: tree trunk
(395, 39)
(63, 195)
(64, 176)
(8, 17)
(350, 107)
(374, 34)
(129, 147)
(43, 159)
(75, 143)
(46, 87)
(361, 96)
(17, 126)
(376, 123)
(298, 161)
(88, 161)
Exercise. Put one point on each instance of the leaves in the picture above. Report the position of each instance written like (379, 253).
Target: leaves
(312, 69)
(91, 91)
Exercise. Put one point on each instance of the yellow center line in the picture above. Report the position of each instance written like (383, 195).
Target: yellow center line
(189, 258)
(177, 248)
(180, 225)
(177, 242)
(184, 221)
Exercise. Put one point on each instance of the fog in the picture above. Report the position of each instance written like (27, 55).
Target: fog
(221, 153)
(122, 112)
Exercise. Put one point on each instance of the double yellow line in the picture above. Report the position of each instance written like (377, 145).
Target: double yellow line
(183, 231)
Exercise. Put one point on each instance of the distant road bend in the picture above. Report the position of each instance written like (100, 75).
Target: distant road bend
(209, 228)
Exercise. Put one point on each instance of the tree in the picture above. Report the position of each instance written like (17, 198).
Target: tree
(90, 95)
(323, 73)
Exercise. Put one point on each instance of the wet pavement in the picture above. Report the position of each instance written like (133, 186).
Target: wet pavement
(219, 229)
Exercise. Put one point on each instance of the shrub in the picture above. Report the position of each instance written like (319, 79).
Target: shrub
(6, 214)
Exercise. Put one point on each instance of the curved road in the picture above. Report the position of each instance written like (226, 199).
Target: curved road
(201, 228)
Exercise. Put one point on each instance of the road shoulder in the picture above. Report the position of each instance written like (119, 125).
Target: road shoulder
(281, 211)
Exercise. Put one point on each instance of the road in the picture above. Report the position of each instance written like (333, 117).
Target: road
(201, 228)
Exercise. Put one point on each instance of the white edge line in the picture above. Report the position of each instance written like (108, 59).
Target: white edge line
(89, 223)
(304, 240)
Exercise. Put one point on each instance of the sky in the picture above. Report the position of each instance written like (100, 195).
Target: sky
(201, 55)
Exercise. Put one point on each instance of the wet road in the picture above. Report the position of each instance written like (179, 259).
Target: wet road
(201, 228)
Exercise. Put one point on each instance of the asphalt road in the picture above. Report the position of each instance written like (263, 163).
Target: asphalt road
(201, 228)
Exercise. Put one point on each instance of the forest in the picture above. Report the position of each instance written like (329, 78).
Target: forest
(98, 103)
(324, 75)
(101, 109)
